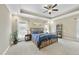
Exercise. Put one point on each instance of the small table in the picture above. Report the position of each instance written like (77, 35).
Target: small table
(28, 37)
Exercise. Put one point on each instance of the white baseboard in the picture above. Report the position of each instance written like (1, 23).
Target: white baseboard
(5, 51)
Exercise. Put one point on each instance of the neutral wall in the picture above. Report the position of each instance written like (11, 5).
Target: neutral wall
(5, 28)
(14, 23)
(69, 27)
(32, 23)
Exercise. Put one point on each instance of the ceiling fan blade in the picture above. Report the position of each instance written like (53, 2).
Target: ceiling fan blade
(46, 7)
(45, 11)
(54, 9)
(54, 5)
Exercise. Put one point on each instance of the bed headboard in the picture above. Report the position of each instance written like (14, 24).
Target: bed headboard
(38, 30)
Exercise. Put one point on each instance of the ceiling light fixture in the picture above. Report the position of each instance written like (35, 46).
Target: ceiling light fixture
(50, 8)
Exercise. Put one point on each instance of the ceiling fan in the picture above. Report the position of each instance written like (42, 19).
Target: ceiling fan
(50, 8)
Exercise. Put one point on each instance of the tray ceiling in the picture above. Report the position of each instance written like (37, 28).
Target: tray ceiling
(38, 9)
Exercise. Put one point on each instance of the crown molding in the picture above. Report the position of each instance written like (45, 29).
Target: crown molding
(66, 15)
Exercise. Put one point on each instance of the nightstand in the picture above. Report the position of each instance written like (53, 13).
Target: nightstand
(28, 37)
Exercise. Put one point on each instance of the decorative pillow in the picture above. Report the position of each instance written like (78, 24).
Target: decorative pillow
(34, 32)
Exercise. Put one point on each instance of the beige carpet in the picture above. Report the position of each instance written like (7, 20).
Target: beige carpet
(63, 47)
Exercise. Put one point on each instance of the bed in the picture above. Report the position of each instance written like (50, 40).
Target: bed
(43, 39)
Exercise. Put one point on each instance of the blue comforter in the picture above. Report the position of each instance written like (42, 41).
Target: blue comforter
(40, 37)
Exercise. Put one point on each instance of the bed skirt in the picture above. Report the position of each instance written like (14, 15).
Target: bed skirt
(45, 43)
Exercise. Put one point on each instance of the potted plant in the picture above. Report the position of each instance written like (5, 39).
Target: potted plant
(14, 37)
